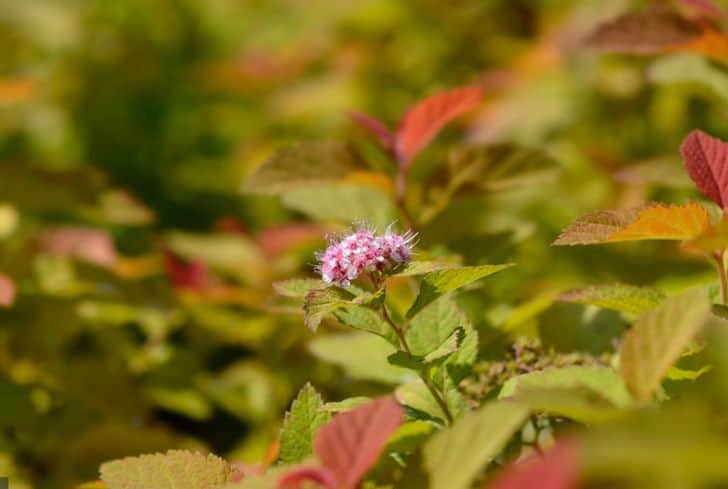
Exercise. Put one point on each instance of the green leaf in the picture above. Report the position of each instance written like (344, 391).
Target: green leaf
(363, 356)
(691, 69)
(297, 287)
(300, 425)
(345, 405)
(658, 338)
(440, 282)
(448, 347)
(304, 164)
(433, 329)
(455, 457)
(344, 203)
(406, 360)
(320, 303)
(619, 297)
(683, 374)
(365, 319)
(415, 395)
(410, 436)
(579, 403)
(414, 268)
(603, 380)
(173, 470)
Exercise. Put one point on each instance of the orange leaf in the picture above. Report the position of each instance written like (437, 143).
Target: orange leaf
(711, 43)
(423, 121)
(666, 222)
(654, 221)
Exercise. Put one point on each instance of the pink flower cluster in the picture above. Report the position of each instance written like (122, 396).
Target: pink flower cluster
(362, 251)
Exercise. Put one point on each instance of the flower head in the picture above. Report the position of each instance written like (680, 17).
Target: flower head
(361, 251)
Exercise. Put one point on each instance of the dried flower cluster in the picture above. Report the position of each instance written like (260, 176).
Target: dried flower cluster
(361, 251)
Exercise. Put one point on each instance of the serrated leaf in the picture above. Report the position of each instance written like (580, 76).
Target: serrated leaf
(301, 424)
(297, 287)
(455, 457)
(304, 164)
(603, 380)
(363, 356)
(619, 297)
(320, 303)
(651, 31)
(440, 282)
(448, 347)
(350, 444)
(344, 203)
(639, 223)
(434, 327)
(657, 339)
(706, 160)
(422, 122)
(558, 468)
(172, 470)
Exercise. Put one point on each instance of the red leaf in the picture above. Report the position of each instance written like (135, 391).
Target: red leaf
(558, 469)
(350, 444)
(7, 291)
(86, 244)
(706, 160)
(190, 275)
(376, 128)
(423, 121)
(295, 478)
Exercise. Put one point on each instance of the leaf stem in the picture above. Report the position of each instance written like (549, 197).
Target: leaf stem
(718, 256)
(425, 378)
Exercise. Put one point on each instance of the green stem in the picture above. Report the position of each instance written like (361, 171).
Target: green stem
(718, 256)
(425, 378)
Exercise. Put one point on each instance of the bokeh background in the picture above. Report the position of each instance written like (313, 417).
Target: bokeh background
(145, 317)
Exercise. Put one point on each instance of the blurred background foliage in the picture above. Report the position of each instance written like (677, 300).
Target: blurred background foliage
(145, 317)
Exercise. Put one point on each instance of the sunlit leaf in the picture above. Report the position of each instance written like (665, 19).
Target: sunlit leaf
(440, 282)
(361, 355)
(639, 223)
(455, 457)
(602, 380)
(619, 297)
(422, 122)
(343, 203)
(171, 470)
(690, 68)
(658, 338)
(300, 425)
(706, 160)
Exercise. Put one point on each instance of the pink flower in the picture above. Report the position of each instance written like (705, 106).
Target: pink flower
(362, 251)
